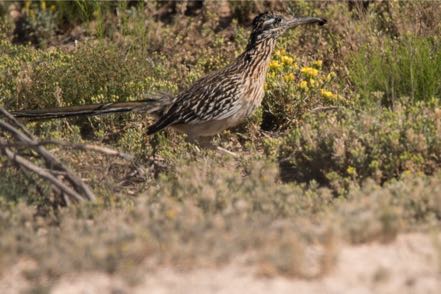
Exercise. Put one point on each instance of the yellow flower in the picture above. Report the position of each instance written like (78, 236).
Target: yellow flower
(352, 171)
(303, 85)
(328, 94)
(289, 77)
(171, 213)
(43, 5)
(28, 5)
(287, 60)
(309, 71)
(312, 83)
(330, 76)
(318, 63)
(280, 52)
(275, 64)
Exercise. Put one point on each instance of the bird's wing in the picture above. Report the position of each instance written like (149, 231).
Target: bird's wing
(207, 100)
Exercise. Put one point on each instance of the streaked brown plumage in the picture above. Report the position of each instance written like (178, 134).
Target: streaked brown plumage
(212, 104)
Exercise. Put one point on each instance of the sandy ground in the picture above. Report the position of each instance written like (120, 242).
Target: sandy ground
(410, 264)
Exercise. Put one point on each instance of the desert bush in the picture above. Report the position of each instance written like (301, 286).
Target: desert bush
(204, 216)
(295, 87)
(208, 212)
(44, 20)
(380, 212)
(93, 73)
(74, 12)
(374, 142)
(408, 67)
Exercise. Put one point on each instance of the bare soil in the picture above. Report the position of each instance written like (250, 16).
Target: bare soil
(410, 264)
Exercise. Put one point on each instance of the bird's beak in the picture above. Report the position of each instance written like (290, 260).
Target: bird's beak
(304, 20)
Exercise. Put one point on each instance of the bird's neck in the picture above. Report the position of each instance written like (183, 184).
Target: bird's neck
(256, 58)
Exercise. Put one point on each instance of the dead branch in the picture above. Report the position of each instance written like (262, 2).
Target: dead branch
(84, 147)
(77, 192)
(45, 174)
(325, 108)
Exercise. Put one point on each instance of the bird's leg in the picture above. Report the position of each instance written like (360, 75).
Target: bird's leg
(226, 151)
(207, 143)
(194, 142)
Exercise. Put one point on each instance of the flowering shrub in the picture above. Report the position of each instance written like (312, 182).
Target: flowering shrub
(295, 87)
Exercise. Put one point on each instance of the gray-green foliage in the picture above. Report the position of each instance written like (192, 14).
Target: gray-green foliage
(92, 73)
(375, 143)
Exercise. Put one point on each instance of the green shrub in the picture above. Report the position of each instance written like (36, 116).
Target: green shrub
(46, 18)
(381, 211)
(375, 142)
(94, 72)
(78, 11)
(408, 67)
(295, 87)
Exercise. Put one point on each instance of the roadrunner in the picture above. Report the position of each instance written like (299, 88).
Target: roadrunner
(218, 101)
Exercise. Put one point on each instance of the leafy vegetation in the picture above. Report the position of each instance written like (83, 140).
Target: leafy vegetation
(374, 143)
(408, 68)
(302, 88)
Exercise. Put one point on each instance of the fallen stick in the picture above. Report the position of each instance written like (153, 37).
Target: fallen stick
(23, 137)
(85, 147)
(45, 174)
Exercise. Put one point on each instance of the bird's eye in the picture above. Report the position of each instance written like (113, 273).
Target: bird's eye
(277, 19)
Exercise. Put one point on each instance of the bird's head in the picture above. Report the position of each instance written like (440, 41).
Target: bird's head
(268, 25)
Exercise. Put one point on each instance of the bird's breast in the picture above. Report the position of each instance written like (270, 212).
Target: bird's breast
(254, 90)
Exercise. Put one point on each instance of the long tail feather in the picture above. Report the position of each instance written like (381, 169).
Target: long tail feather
(148, 106)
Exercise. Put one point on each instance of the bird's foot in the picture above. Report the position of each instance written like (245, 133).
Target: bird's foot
(226, 151)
